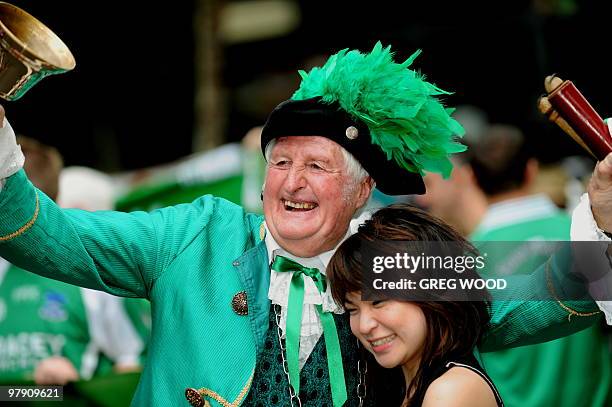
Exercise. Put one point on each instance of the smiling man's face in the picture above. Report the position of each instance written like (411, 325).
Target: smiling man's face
(309, 199)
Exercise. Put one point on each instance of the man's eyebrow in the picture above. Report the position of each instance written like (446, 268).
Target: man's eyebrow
(314, 157)
(278, 153)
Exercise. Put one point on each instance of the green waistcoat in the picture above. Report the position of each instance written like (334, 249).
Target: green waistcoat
(191, 261)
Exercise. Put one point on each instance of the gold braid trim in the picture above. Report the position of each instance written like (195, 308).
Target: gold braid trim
(570, 311)
(214, 395)
(25, 227)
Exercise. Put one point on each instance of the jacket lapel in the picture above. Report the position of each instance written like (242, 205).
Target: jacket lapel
(254, 273)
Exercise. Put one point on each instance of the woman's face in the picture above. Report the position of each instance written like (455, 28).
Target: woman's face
(393, 331)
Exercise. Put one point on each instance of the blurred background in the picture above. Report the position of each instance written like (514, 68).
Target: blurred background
(165, 105)
(156, 81)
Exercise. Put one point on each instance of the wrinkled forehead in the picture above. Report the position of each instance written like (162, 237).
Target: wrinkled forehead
(309, 147)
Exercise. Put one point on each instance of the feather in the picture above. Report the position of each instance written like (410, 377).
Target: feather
(403, 111)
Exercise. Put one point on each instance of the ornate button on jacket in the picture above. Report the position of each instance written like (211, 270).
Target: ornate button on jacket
(240, 304)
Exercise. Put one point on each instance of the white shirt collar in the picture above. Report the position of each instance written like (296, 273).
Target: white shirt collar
(517, 210)
(320, 260)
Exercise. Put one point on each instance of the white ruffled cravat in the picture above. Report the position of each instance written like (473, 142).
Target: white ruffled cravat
(280, 283)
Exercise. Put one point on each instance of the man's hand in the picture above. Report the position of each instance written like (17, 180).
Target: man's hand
(600, 194)
(56, 370)
(1, 116)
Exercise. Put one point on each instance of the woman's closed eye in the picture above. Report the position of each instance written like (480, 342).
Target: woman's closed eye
(351, 311)
(378, 303)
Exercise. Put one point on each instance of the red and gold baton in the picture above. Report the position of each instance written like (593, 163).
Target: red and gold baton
(569, 109)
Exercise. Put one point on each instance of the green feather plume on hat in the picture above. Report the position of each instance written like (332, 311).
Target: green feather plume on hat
(402, 110)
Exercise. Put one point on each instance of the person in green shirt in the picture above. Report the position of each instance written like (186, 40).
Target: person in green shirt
(555, 373)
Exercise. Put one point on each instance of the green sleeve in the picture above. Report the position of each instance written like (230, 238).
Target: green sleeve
(546, 317)
(120, 253)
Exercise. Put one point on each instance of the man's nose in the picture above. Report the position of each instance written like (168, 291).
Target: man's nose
(296, 178)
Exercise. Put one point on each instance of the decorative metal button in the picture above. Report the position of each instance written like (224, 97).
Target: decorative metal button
(352, 132)
(240, 304)
(194, 397)
(236, 263)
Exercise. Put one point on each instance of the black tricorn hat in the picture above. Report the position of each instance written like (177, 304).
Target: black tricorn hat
(386, 115)
(310, 117)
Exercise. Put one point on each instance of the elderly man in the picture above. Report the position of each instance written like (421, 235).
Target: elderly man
(241, 312)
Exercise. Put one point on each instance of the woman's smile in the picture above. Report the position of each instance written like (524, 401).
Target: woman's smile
(382, 344)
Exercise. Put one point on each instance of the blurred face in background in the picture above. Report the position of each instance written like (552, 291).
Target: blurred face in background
(444, 197)
(441, 197)
(457, 200)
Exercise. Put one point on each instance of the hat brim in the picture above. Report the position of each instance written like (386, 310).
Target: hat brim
(312, 117)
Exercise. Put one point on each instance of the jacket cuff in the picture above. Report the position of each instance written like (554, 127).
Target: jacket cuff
(11, 156)
(584, 227)
(19, 206)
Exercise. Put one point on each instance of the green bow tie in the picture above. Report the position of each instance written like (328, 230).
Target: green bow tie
(294, 326)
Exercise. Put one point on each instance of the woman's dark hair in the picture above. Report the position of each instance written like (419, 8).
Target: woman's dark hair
(454, 328)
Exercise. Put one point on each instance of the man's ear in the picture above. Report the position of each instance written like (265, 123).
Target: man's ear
(365, 190)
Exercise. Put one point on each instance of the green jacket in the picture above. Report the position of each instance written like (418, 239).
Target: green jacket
(190, 261)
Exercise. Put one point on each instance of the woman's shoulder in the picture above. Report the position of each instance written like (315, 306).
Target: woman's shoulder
(461, 386)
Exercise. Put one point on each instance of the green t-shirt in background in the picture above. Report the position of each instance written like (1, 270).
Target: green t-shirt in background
(42, 318)
(574, 371)
(39, 318)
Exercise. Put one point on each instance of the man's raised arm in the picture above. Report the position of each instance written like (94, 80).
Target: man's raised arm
(120, 253)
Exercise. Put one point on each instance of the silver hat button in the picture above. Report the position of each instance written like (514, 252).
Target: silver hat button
(352, 133)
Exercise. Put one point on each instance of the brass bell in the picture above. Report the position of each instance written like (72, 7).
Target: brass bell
(29, 51)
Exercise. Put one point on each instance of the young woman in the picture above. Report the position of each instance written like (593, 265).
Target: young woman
(431, 342)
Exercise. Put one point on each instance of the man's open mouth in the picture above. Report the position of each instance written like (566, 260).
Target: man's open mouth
(298, 206)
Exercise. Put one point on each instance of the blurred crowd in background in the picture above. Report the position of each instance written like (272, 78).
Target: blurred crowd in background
(166, 105)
